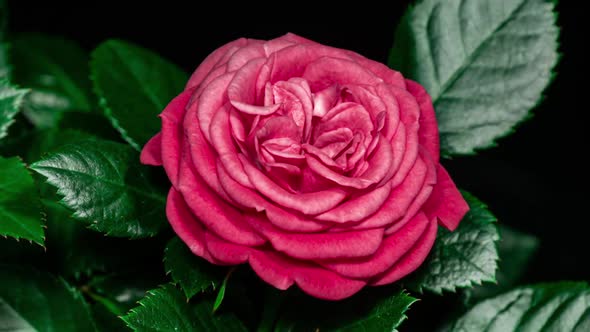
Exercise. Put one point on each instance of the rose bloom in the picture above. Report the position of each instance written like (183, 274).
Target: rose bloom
(315, 165)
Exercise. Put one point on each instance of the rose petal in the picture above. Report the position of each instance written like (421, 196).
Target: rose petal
(307, 203)
(223, 144)
(319, 168)
(255, 110)
(399, 200)
(446, 202)
(276, 215)
(243, 89)
(410, 114)
(215, 214)
(411, 260)
(282, 272)
(326, 71)
(312, 246)
(358, 208)
(225, 252)
(392, 249)
(210, 100)
(418, 202)
(296, 99)
(392, 120)
(173, 134)
(324, 100)
(254, 49)
(380, 163)
(346, 115)
(428, 133)
(291, 61)
(202, 152)
(185, 225)
(212, 60)
(313, 280)
(380, 70)
(151, 154)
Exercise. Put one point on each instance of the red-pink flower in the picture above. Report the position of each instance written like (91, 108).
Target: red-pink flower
(313, 164)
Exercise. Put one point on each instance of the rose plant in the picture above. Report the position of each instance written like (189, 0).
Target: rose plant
(284, 162)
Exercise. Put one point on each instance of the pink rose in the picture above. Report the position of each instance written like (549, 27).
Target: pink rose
(313, 164)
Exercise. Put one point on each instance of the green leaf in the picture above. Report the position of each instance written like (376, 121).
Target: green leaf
(366, 313)
(20, 213)
(105, 186)
(221, 294)
(10, 101)
(134, 83)
(485, 64)
(42, 301)
(79, 252)
(561, 306)
(194, 274)
(56, 71)
(465, 257)
(166, 309)
(515, 250)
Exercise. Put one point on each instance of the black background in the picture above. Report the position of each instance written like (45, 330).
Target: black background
(535, 181)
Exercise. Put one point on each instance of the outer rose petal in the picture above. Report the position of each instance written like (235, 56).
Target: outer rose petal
(173, 134)
(151, 154)
(282, 272)
(428, 133)
(211, 61)
(185, 225)
(446, 201)
(314, 280)
(312, 246)
(214, 213)
(393, 248)
(414, 258)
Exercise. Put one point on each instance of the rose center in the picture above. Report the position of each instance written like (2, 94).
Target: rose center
(304, 130)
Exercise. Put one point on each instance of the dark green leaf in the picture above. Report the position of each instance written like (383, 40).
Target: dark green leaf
(10, 102)
(515, 250)
(546, 307)
(193, 273)
(56, 71)
(106, 187)
(359, 313)
(20, 213)
(79, 252)
(463, 258)
(134, 83)
(41, 300)
(166, 309)
(484, 62)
